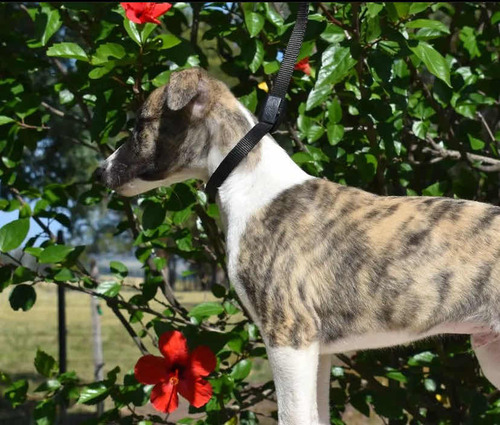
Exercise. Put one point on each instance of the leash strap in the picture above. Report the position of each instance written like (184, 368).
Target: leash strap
(272, 111)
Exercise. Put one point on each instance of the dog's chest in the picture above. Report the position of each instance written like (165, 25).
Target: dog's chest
(248, 191)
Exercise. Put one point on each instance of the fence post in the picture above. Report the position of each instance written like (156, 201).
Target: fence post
(61, 327)
(96, 336)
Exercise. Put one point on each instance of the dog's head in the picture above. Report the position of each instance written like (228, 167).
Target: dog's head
(175, 131)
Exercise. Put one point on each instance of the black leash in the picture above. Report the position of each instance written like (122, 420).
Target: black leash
(272, 111)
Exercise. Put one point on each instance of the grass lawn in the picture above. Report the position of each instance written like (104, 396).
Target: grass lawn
(22, 333)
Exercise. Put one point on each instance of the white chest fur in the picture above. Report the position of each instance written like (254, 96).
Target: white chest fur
(245, 192)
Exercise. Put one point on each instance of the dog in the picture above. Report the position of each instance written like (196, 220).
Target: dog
(321, 267)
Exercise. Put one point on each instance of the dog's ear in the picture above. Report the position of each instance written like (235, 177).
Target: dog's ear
(186, 86)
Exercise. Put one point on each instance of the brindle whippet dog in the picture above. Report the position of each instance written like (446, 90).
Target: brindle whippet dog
(322, 268)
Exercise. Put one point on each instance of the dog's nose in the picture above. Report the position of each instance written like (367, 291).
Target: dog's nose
(97, 175)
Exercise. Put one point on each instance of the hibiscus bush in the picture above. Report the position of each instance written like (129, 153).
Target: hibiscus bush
(395, 98)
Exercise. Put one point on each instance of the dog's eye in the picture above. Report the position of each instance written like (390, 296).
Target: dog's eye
(139, 126)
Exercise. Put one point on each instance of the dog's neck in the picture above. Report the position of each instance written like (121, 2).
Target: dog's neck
(248, 189)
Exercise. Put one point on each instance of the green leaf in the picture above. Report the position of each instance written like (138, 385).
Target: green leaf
(181, 197)
(45, 412)
(101, 71)
(433, 60)
(118, 268)
(417, 7)
(64, 275)
(132, 30)
(402, 8)
(162, 78)
(45, 364)
(436, 189)
(230, 308)
(254, 22)
(314, 133)
(13, 234)
(428, 23)
(15, 394)
(258, 56)
(219, 291)
(335, 133)
(55, 254)
(22, 274)
(107, 50)
(468, 36)
(109, 288)
(49, 385)
(334, 111)
(5, 120)
(336, 62)
(5, 277)
(396, 376)
(241, 370)
(22, 297)
(273, 16)
(430, 385)
(154, 215)
(318, 95)
(475, 143)
(204, 310)
(374, 9)
(333, 34)
(366, 163)
(167, 41)
(53, 24)
(93, 393)
(271, 67)
(65, 96)
(338, 371)
(420, 129)
(67, 50)
(147, 30)
(495, 18)
(250, 100)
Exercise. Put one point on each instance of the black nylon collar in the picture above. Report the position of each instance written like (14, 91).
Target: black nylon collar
(272, 111)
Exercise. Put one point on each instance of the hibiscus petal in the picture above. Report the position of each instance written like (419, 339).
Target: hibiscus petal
(173, 346)
(153, 20)
(195, 390)
(164, 397)
(160, 9)
(132, 16)
(137, 6)
(150, 369)
(202, 361)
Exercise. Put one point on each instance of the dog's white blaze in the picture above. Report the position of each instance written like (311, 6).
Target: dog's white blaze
(111, 159)
(245, 192)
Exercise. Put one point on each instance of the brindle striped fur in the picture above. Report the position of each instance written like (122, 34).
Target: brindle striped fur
(324, 261)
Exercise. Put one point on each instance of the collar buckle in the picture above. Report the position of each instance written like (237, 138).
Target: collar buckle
(273, 111)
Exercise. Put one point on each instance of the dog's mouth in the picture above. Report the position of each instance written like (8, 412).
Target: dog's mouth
(150, 174)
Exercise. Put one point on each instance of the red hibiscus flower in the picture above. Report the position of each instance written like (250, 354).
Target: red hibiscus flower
(303, 66)
(140, 13)
(177, 371)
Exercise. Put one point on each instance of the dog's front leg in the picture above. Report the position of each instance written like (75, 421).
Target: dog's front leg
(295, 374)
(323, 388)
